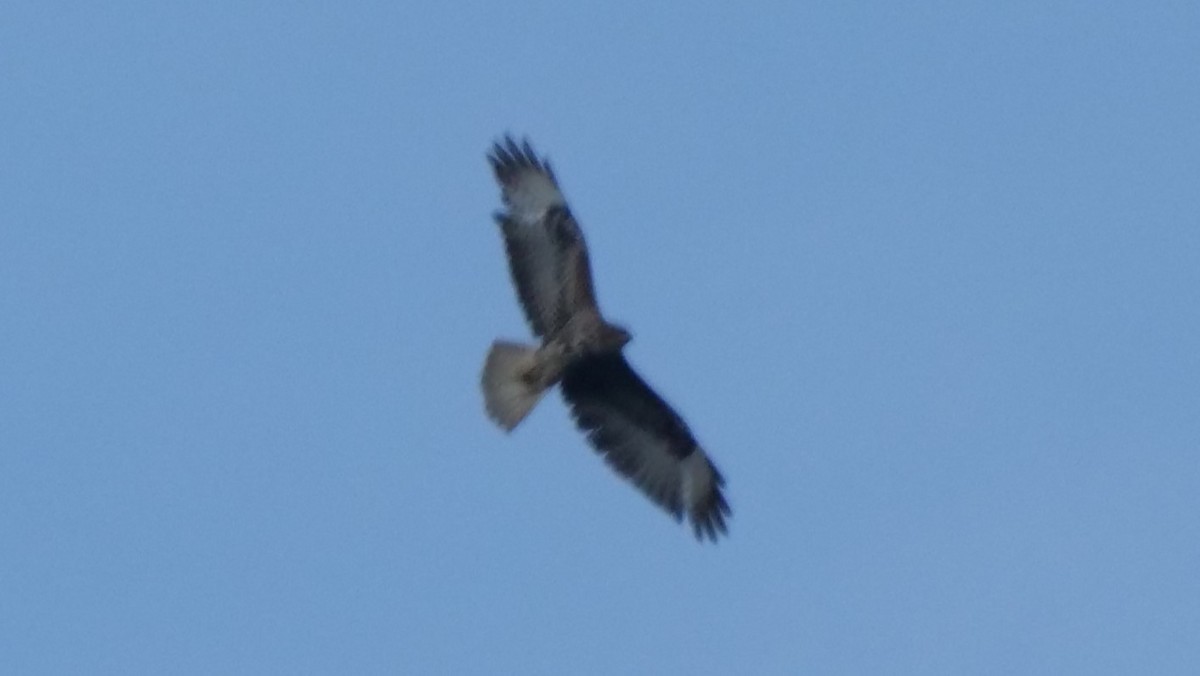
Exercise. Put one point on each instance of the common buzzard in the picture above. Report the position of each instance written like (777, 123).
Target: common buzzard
(638, 433)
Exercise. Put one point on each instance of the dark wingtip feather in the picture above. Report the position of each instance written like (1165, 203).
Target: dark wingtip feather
(508, 158)
(708, 519)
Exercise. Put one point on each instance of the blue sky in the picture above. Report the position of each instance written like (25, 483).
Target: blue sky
(924, 279)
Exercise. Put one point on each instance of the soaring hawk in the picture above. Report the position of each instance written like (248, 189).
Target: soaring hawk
(639, 434)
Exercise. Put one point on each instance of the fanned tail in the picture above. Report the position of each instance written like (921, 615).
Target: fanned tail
(510, 386)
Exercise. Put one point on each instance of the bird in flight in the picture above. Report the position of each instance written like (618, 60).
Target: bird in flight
(639, 435)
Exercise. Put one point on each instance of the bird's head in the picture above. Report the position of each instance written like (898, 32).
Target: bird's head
(615, 337)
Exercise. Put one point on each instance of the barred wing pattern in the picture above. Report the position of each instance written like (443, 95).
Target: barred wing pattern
(645, 440)
(547, 254)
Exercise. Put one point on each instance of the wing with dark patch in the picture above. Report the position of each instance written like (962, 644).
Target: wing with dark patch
(547, 254)
(646, 441)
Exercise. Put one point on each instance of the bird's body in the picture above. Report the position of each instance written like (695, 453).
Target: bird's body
(640, 435)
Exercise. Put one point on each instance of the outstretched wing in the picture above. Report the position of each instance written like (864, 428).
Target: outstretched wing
(646, 441)
(547, 255)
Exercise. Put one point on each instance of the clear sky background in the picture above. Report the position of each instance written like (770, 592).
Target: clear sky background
(925, 280)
